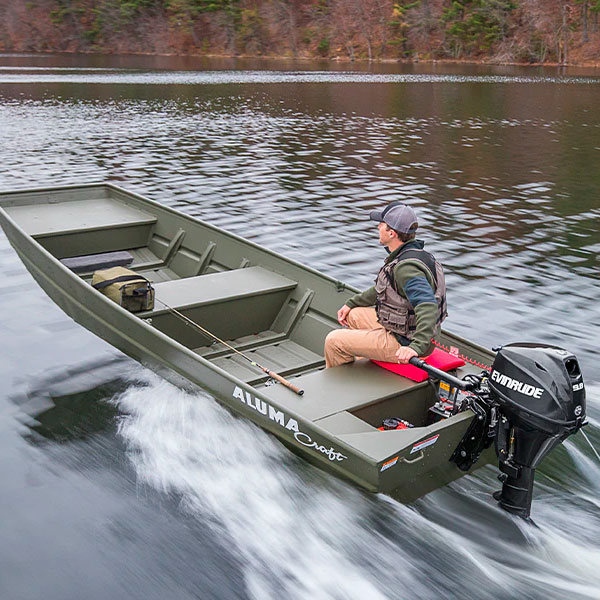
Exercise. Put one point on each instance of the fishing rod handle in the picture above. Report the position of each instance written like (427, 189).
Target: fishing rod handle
(285, 382)
(454, 381)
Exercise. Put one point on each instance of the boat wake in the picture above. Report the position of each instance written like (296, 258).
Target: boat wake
(297, 532)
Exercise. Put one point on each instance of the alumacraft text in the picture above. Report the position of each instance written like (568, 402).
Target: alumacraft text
(279, 417)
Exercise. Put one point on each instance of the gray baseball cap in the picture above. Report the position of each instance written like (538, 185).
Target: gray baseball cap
(398, 216)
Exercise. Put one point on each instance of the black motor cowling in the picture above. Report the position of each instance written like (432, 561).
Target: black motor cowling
(541, 398)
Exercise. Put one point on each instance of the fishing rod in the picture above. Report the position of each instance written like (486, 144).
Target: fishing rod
(270, 373)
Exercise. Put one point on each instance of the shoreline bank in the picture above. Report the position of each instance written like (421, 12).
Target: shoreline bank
(314, 59)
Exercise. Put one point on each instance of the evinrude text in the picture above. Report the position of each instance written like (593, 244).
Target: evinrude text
(519, 386)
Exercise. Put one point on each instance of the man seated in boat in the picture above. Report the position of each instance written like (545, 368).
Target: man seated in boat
(399, 316)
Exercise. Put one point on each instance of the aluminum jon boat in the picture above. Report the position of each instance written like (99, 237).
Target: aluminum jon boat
(274, 311)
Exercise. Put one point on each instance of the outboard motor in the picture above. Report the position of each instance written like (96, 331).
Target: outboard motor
(540, 396)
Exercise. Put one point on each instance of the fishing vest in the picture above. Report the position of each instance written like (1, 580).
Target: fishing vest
(394, 311)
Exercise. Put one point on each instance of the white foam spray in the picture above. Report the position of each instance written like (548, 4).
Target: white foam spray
(290, 536)
(299, 533)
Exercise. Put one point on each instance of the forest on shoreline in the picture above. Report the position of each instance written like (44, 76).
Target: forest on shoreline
(495, 31)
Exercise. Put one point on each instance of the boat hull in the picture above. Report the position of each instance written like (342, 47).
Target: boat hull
(404, 464)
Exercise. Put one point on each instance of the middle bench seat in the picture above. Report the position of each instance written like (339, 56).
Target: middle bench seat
(229, 304)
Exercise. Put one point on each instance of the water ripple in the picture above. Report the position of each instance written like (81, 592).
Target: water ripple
(303, 184)
(62, 75)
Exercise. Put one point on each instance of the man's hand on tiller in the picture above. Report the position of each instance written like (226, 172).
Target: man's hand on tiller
(404, 354)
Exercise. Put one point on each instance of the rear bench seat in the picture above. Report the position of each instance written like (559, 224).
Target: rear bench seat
(354, 398)
(344, 388)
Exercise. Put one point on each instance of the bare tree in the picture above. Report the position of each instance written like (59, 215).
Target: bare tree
(584, 20)
(344, 24)
(366, 24)
(563, 51)
(364, 13)
(288, 13)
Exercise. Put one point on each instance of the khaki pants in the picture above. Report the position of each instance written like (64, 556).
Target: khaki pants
(365, 337)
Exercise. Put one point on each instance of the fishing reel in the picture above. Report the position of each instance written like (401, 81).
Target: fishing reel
(533, 399)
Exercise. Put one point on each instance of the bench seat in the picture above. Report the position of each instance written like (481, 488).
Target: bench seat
(80, 227)
(220, 287)
(229, 304)
(347, 387)
(43, 220)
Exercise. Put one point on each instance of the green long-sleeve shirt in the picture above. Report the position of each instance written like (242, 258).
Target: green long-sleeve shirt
(408, 278)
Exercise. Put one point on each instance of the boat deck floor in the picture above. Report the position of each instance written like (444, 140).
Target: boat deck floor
(268, 348)
(146, 263)
(151, 266)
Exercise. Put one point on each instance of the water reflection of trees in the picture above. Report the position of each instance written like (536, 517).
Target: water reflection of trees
(77, 416)
(73, 404)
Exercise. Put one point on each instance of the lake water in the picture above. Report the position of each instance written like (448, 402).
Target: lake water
(115, 484)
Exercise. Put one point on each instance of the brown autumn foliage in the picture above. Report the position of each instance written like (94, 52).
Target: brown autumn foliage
(502, 31)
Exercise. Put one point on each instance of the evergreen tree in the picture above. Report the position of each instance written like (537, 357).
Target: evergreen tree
(476, 25)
